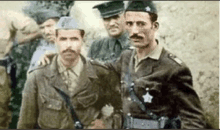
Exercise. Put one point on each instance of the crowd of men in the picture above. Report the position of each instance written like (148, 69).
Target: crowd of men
(147, 86)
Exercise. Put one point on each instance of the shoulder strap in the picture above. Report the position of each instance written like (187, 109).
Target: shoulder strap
(66, 98)
(133, 96)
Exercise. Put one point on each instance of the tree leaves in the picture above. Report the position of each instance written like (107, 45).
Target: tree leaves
(63, 7)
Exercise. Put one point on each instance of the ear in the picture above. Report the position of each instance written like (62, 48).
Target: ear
(156, 26)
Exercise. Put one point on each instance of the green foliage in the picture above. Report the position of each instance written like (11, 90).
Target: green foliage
(63, 7)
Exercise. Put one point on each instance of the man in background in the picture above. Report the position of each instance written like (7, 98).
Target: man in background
(110, 48)
(46, 19)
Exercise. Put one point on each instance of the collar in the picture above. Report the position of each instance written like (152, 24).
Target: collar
(154, 54)
(52, 69)
(75, 69)
(123, 39)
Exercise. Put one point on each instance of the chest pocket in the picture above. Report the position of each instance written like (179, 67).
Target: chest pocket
(51, 103)
(51, 114)
(89, 100)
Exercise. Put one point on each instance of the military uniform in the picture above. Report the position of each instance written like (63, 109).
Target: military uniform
(42, 105)
(109, 48)
(165, 85)
(103, 49)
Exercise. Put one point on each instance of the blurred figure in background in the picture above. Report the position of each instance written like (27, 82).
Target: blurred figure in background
(10, 23)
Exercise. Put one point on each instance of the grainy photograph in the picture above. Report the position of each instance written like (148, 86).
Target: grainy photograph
(109, 64)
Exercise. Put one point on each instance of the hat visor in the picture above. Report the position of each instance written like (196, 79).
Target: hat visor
(111, 14)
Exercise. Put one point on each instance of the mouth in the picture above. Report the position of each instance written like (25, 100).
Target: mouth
(113, 29)
(135, 39)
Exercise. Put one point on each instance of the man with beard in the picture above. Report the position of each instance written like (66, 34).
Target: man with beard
(157, 87)
(109, 48)
(46, 19)
(86, 83)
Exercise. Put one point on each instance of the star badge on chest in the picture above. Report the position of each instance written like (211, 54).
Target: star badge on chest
(147, 97)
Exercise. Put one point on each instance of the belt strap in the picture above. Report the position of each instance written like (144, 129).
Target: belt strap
(134, 97)
(66, 98)
(136, 123)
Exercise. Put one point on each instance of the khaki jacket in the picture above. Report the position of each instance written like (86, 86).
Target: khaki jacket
(5, 94)
(43, 106)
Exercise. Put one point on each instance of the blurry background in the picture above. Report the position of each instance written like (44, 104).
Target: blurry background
(189, 29)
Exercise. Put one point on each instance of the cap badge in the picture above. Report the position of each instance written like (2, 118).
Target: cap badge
(147, 8)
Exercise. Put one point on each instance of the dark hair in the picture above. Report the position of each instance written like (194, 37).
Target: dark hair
(81, 31)
(153, 17)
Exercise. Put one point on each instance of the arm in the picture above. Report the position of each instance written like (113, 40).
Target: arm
(191, 112)
(5, 94)
(29, 108)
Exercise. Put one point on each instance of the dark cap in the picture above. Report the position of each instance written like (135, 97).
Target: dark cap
(145, 6)
(109, 9)
(43, 15)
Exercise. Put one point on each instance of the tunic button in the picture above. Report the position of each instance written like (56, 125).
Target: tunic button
(50, 106)
(122, 82)
(129, 114)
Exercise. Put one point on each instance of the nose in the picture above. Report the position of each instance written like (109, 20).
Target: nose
(68, 44)
(46, 30)
(134, 29)
(112, 22)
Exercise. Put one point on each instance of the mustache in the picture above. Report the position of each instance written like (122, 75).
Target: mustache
(68, 50)
(136, 36)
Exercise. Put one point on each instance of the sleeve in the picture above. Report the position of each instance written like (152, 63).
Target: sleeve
(5, 94)
(112, 92)
(29, 107)
(21, 22)
(188, 102)
(115, 65)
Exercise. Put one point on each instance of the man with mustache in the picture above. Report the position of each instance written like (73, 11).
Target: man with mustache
(86, 83)
(46, 19)
(157, 87)
(109, 48)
